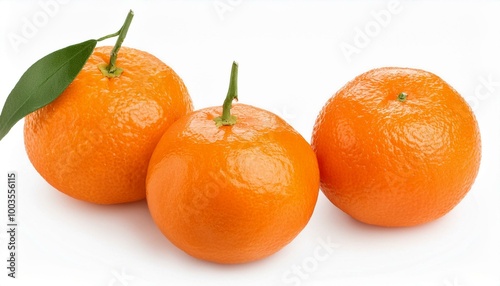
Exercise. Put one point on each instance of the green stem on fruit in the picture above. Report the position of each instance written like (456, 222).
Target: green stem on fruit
(402, 96)
(232, 93)
(111, 70)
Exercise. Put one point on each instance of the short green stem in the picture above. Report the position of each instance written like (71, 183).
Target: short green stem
(111, 70)
(232, 93)
(402, 96)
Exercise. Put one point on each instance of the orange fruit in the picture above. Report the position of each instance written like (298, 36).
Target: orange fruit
(232, 194)
(396, 147)
(94, 141)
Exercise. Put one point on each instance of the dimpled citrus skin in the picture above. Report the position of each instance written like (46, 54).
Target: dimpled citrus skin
(95, 140)
(392, 163)
(232, 194)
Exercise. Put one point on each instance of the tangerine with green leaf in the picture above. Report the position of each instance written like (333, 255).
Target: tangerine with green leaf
(94, 141)
(233, 188)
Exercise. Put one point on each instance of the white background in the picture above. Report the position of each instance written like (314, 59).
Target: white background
(291, 62)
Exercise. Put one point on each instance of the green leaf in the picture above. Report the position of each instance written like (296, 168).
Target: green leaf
(43, 82)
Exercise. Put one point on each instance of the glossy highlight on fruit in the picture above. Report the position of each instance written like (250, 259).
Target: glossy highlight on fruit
(94, 141)
(396, 147)
(232, 194)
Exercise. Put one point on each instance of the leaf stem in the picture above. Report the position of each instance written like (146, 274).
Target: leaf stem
(111, 70)
(109, 36)
(232, 93)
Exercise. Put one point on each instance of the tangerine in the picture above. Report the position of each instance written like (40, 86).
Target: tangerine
(94, 141)
(396, 147)
(233, 191)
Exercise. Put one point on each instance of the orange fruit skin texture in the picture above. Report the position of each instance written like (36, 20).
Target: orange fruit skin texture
(232, 194)
(94, 141)
(391, 163)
